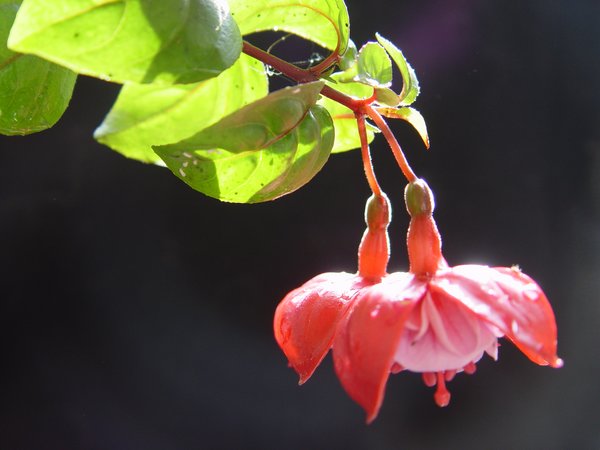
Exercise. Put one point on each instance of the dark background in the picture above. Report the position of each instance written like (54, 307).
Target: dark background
(136, 313)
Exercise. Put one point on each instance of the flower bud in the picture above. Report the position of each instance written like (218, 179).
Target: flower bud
(378, 213)
(374, 249)
(419, 198)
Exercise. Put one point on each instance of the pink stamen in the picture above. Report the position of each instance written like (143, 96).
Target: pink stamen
(449, 374)
(396, 368)
(470, 368)
(442, 395)
(429, 379)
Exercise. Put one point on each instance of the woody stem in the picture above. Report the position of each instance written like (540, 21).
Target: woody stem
(300, 75)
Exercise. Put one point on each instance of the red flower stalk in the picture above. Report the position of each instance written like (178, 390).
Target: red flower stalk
(435, 319)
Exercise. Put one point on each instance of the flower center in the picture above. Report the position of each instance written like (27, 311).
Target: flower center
(441, 335)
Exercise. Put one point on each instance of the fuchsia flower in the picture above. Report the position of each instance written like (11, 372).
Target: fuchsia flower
(436, 320)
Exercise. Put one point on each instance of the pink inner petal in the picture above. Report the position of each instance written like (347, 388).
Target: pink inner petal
(442, 335)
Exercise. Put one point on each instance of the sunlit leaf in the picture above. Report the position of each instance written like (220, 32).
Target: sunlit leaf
(260, 123)
(346, 131)
(385, 96)
(410, 84)
(349, 57)
(374, 66)
(410, 115)
(265, 150)
(147, 115)
(34, 93)
(324, 22)
(144, 41)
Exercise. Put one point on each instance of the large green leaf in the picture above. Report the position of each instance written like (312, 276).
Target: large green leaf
(34, 93)
(346, 131)
(265, 150)
(144, 41)
(147, 115)
(410, 84)
(325, 22)
(260, 123)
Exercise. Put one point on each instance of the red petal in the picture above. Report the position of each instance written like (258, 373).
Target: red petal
(367, 338)
(510, 301)
(306, 319)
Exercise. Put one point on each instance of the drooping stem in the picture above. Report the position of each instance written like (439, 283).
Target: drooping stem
(393, 143)
(366, 155)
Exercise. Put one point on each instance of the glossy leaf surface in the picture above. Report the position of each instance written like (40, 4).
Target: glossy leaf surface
(147, 115)
(324, 22)
(265, 150)
(34, 93)
(410, 84)
(144, 41)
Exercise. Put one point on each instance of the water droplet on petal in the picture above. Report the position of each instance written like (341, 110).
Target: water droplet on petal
(558, 363)
(286, 331)
(531, 295)
(514, 326)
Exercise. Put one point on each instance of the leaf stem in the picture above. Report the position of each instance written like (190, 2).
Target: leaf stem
(366, 154)
(392, 142)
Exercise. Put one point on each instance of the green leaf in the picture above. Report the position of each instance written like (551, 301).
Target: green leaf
(267, 149)
(410, 84)
(411, 116)
(143, 41)
(385, 96)
(349, 57)
(374, 66)
(260, 123)
(324, 22)
(346, 131)
(147, 115)
(33, 93)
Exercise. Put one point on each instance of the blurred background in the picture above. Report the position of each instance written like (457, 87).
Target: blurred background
(137, 313)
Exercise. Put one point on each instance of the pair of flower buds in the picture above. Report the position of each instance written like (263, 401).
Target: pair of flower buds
(434, 319)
